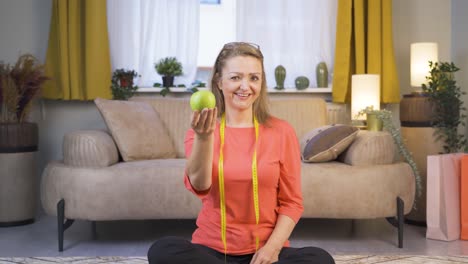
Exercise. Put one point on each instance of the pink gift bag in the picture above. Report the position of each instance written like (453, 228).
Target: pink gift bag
(443, 196)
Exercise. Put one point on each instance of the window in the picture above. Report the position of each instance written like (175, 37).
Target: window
(217, 26)
(296, 34)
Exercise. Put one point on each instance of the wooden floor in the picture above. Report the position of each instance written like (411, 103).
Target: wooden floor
(133, 238)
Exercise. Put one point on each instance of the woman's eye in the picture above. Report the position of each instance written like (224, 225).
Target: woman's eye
(235, 78)
(255, 78)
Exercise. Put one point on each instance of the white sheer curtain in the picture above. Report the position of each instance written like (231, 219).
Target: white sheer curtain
(297, 34)
(143, 31)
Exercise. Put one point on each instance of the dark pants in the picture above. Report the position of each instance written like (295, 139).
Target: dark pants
(176, 250)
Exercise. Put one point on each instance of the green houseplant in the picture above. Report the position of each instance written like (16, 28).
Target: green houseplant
(444, 96)
(387, 122)
(168, 68)
(448, 110)
(122, 84)
(19, 85)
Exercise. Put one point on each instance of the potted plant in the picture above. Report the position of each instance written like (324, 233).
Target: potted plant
(168, 68)
(448, 110)
(19, 85)
(122, 84)
(386, 118)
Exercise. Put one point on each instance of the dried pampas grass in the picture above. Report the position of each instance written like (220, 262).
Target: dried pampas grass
(19, 85)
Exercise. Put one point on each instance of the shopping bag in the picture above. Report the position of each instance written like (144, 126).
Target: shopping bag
(443, 196)
(464, 198)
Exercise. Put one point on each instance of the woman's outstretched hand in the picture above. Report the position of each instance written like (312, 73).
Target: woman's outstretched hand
(204, 121)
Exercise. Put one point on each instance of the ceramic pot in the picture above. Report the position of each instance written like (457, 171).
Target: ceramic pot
(168, 81)
(302, 82)
(374, 123)
(321, 72)
(126, 81)
(280, 76)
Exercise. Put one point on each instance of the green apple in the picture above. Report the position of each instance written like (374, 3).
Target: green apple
(202, 99)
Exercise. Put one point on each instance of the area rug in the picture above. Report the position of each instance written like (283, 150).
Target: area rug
(339, 259)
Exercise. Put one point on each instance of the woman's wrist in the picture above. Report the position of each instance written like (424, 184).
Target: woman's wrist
(276, 245)
(204, 137)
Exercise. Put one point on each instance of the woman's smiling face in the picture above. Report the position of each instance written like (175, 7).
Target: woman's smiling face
(241, 82)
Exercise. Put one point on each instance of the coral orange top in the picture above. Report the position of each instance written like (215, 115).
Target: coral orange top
(279, 186)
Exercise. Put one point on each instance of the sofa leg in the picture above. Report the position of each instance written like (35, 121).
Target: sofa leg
(398, 223)
(62, 225)
(401, 220)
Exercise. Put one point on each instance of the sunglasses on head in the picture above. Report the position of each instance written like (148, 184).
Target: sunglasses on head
(231, 45)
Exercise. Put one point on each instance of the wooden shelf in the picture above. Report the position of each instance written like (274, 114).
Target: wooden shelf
(270, 90)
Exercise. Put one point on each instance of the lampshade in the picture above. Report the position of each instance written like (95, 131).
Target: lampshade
(365, 91)
(421, 54)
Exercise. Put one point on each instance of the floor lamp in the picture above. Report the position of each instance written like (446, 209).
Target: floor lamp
(415, 118)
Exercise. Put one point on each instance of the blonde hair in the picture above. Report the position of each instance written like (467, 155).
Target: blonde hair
(234, 49)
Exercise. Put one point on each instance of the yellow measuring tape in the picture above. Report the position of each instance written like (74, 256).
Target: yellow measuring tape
(222, 196)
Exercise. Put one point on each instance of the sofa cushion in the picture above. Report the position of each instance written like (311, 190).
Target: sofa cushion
(327, 142)
(175, 113)
(89, 148)
(370, 148)
(137, 129)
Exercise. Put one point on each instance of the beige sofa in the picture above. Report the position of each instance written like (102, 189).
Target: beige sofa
(91, 183)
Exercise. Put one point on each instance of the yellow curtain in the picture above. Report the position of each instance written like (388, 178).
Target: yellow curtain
(364, 44)
(78, 59)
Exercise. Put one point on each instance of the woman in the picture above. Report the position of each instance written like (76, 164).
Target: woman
(244, 164)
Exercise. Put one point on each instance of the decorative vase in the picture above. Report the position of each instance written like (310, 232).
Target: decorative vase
(126, 81)
(18, 175)
(321, 73)
(374, 123)
(168, 81)
(302, 82)
(280, 76)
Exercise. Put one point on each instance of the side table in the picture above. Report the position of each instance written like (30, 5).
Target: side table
(416, 129)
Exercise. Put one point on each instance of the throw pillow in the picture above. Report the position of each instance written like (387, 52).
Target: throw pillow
(327, 142)
(137, 129)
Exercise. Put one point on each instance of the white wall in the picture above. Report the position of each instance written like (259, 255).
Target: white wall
(420, 21)
(24, 27)
(460, 46)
